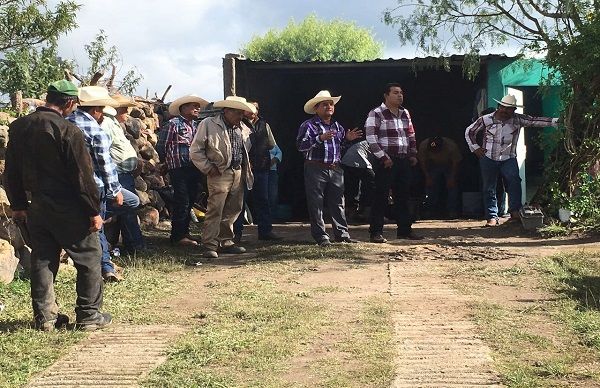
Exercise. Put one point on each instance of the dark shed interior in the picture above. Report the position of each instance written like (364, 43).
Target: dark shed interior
(440, 102)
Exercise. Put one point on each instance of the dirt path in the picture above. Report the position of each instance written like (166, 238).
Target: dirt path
(116, 357)
(437, 342)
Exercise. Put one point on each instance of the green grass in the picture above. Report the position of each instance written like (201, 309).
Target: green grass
(25, 351)
(555, 340)
(576, 279)
(253, 327)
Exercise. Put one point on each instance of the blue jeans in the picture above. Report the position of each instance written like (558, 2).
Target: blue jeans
(185, 181)
(130, 202)
(128, 221)
(273, 192)
(509, 169)
(261, 211)
(440, 175)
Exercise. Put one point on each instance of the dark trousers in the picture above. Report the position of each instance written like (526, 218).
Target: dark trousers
(397, 178)
(185, 181)
(358, 184)
(45, 251)
(323, 183)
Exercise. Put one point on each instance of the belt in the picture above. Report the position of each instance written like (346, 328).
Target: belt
(329, 166)
(235, 168)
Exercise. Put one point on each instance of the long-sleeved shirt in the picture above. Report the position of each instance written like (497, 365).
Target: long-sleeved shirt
(98, 144)
(174, 142)
(500, 137)
(388, 135)
(308, 142)
(121, 150)
(47, 155)
(275, 153)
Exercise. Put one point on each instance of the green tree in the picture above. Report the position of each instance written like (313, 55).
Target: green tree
(566, 31)
(29, 22)
(315, 40)
(31, 69)
(102, 70)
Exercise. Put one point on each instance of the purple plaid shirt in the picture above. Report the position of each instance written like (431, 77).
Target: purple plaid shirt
(307, 142)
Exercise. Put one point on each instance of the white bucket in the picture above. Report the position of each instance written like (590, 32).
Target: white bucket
(564, 215)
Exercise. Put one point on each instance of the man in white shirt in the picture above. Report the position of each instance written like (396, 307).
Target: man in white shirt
(498, 155)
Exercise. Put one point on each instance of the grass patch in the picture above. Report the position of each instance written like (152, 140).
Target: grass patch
(252, 329)
(554, 229)
(25, 351)
(312, 252)
(576, 278)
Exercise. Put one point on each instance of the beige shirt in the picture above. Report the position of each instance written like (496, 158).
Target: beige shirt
(121, 150)
(448, 155)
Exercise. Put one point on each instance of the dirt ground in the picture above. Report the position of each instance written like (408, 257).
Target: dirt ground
(437, 342)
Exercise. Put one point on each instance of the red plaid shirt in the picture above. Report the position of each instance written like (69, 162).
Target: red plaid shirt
(389, 135)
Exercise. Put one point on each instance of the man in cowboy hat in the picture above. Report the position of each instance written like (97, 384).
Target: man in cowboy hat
(88, 117)
(261, 143)
(439, 158)
(125, 158)
(174, 150)
(47, 156)
(220, 151)
(498, 154)
(319, 139)
(391, 137)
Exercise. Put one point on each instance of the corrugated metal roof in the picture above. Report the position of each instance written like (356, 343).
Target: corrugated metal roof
(418, 61)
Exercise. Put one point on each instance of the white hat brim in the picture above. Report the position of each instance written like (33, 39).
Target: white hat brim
(175, 105)
(310, 105)
(508, 105)
(232, 104)
(100, 102)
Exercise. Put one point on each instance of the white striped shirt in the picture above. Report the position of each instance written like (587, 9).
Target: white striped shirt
(500, 137)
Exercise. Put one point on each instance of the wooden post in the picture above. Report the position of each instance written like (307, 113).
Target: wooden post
(16, 100)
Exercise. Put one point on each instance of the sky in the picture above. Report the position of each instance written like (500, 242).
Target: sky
(182, 42)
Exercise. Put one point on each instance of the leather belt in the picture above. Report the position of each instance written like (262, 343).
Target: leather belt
(329, 166)
(235, 168)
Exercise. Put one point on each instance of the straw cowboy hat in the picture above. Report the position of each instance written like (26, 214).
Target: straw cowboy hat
(95, 96)
(509, 100)
(175, 105)
(124, 102)
(323, 95)
(235, 102)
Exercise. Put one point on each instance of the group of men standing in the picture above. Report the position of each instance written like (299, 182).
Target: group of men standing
(73, 158)
(390, 137)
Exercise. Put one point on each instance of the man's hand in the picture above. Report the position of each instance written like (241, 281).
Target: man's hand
(353, 134)
(480, 152)
(118, 200)
(451, 183)
(19, 216)
(274, 161)
(413, 161)
(327, 135)
(387, 163)
(95, 223)
(214, 171)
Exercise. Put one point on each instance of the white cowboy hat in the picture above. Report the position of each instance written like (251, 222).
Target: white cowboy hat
(95, 96)
(235, 102)
(175, 105)
(124, 102)
(109, 110)
(323, 95)
(509, 100)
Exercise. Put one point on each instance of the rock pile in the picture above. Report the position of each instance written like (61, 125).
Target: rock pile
(141, 129)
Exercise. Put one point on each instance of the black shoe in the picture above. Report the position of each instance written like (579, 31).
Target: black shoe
(324, 243)
(347, 240)
(378, 239)
(95, 322)
(270, 237)
(410, 236)
(61, 321)
(234, 249)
